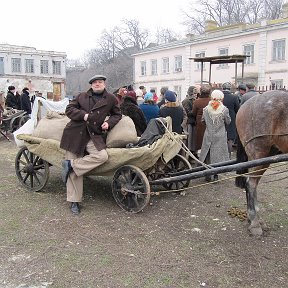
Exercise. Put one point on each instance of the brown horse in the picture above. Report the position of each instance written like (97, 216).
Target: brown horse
(262, 125)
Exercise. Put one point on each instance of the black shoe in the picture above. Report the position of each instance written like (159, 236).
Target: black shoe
(75, 209)
(67, 168)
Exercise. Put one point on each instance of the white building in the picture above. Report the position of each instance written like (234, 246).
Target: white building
(169, 65)
(39, 70)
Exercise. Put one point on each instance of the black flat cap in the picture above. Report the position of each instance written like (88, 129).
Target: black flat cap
(97, 77)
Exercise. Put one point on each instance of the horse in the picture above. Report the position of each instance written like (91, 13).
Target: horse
(262, 126)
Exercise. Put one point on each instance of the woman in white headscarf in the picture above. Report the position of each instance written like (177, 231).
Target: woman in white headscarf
(214, 146)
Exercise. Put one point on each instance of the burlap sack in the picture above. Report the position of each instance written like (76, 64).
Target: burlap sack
(51, 127)
(122, 133)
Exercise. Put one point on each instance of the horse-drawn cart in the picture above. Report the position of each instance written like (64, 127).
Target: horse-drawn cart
(134, 170)
(131, 168)
(12, 120)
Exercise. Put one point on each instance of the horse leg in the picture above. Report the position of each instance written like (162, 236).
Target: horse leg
(256, 223)
(252, 207)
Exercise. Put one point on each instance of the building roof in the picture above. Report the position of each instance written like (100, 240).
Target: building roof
(221, 59)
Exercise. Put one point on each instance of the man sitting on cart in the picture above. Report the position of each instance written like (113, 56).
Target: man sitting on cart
(82, 137)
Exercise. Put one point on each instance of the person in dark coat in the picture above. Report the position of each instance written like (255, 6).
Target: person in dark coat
(191, 122)
(129, 107)
(149, 108)
(18, 97)
(197, 111)
(83, 136)
(161, 97)
(250, 92)
(25, 101)
(173, 109)
(232, 103)
(11, 100)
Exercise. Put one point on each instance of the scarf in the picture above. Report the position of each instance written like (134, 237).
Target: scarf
(215, 109)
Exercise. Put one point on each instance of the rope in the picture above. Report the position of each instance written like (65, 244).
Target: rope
(225, 178)
(262, 135)
(184, 147)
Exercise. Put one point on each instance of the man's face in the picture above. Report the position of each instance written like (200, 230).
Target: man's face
(98, 85)
(242, 91)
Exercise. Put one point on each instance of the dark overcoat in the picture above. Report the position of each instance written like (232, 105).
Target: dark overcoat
(130, 108)
(232, 103)
(25, 102)
(78, 132)
(197, 112)
(11, 100)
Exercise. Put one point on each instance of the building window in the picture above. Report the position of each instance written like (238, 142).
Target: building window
(44, 67)
(165, 67)
(249, 51)
(1, 65)
(278, 50)
(56, 67)
(178, 90)
(143, 68)
(153, 67)
(16, 65)
(29, 66)
(223, 52)
(178, 63)
(198, 64)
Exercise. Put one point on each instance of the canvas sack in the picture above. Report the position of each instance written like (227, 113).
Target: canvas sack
(123, 133)
(51, 126)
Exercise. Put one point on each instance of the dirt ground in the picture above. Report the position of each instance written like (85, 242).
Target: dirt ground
(177, 241)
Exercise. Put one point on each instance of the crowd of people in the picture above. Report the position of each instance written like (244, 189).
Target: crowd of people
(19, 101)
(207, 118)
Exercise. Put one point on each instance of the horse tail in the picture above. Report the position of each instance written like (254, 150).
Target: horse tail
(241, 156)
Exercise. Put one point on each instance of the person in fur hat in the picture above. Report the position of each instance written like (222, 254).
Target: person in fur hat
(25, 101)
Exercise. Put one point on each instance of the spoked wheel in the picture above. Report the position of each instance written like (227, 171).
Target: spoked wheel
(130, 188)
(23, 120)
(176, 164)
(31, 170)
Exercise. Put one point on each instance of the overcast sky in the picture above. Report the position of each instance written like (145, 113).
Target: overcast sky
(75, 26)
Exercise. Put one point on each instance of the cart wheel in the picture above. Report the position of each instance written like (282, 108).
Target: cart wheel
(176, 164)
(130, 188)
(23, 120)
(31, 170)
(14, 124)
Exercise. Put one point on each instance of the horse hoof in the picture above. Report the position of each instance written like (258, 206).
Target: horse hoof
(256, 231)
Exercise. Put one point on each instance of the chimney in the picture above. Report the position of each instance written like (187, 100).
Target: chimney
(210, 25)
(190, 36)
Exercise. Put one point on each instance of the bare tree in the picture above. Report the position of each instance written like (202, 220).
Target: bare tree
(166, 35)
(228, 12)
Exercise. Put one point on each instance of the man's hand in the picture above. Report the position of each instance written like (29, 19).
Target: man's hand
(105, 126)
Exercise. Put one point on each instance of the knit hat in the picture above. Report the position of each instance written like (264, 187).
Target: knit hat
(148, 97)
(170, 96)
(217, 95)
